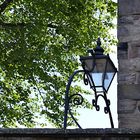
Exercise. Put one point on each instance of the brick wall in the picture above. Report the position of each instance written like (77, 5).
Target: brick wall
(129, 63)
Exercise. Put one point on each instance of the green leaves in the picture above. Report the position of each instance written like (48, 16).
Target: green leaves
(39, 45)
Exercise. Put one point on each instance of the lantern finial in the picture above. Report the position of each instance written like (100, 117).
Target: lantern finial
(99, 50)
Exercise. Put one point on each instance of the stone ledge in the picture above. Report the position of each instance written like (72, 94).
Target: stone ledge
(43, 132)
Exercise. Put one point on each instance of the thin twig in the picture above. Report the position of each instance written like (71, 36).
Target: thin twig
(38, 90)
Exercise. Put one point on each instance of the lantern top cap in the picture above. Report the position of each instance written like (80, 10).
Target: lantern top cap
(99, 50)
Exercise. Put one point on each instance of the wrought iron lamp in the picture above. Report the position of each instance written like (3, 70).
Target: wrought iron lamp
(99, 72)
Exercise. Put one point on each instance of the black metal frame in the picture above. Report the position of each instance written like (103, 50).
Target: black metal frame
(78, 101)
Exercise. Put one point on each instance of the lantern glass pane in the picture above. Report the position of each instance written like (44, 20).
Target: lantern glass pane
(107, 80)
(109, 74)
(98, 73)
(98, 80)
(89, 64)
(103, 74)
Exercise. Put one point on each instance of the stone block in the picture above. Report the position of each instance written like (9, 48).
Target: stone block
(134, 50)
(128, 33)
(125, 20)
(128, 28)
(129, 65)
(129, 120)
(135, 64)
(126, 106)
(135, 36)
(128, 7)
(129, 91)
(129, 20)
(125, 7)
(124, 65)
(123, 33)
(126, 78)
(135, 43)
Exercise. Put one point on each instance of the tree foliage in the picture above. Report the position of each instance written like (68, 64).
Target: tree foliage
(39, 45)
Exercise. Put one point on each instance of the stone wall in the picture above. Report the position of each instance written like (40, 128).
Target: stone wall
(129, 63)
(71, 134)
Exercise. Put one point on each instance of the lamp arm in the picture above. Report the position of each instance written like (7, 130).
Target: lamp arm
(66, 107)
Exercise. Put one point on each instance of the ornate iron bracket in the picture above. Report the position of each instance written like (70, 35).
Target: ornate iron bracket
(77, 99)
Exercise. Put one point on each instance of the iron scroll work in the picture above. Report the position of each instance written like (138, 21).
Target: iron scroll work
(94, 66)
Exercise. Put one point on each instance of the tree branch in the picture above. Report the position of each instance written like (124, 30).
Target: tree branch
(12, 24)
(20, 25)
(4, 5)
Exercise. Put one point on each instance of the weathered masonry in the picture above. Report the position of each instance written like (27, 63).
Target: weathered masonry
(73, 134)
(129, 63)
